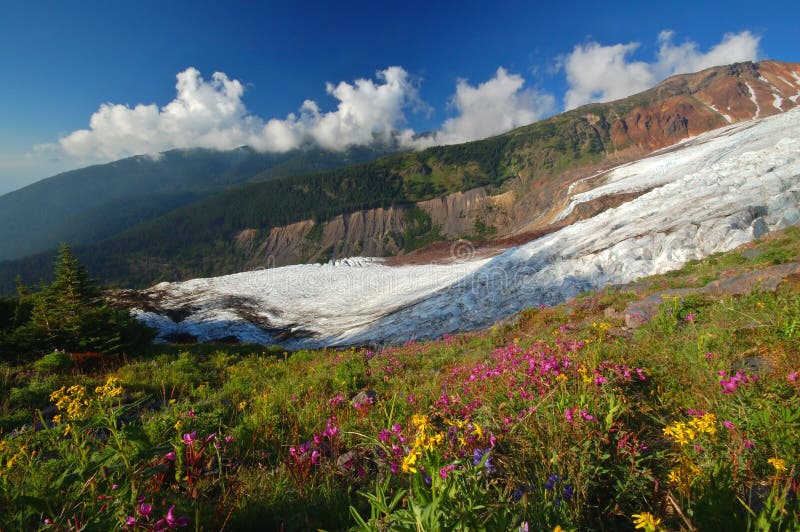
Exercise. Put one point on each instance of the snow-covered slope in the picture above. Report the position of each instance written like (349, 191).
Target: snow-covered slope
(707, 194)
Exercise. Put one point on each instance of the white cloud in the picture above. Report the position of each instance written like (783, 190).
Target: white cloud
(601, 73)
(212, 114)
(491, 108)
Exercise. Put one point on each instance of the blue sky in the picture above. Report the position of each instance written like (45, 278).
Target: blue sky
(62, 61)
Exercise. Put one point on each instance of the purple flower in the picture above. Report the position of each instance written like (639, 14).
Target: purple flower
(728, 425)
(384, 435)
(568, 413)
(749, 444)
(586, 416)
(131, 521)
(690, 317)
(479, 455)
(145, 509)
(568, 491)
(174, 522)
(551, 482)
(445, 470)
(228, 439)
(189, 437)
(170, 456)
(792, 376)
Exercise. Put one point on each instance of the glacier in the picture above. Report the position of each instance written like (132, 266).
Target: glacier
(703, 195)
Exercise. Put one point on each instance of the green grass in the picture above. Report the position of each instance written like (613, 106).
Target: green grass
(557, 420)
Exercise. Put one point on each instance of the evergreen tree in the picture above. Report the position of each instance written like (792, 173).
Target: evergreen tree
(69, 314)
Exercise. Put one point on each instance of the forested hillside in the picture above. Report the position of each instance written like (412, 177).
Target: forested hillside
(93, 203)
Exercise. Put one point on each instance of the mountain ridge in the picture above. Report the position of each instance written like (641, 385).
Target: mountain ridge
(505, 186)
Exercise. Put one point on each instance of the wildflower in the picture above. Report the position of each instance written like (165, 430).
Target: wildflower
(145, 509)
(410, 461)
(569, 412)
(130, 521)
(110, 389)
(479, 455)
(551, 482)
(646, 521)
(420, 421)
(170, 456)
(728, 425)
(690, 317)
(586, 416)
(778, 463)
(792, 376)
(228, 439)
(174, 522)
(568, 491)
(748, 444)
(384, 435)
(189, 438)
(445, 470)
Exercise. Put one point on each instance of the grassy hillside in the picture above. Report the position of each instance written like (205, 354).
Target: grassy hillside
(562, 417)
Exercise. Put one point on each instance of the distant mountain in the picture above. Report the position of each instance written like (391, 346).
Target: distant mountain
(708, 194)
(87, 205)
(511, 186)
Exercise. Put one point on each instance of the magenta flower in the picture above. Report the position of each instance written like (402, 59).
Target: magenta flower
(586, 416)
(228, 439)
(190, 413)
(792, 376)
(728, 425)
(749, 444)
(445, 470)
(384, 435)
(174, 522)
(131, 521)
(569, 412)
(690, 317)
(170, 456)
(189, 437)
(145, 509)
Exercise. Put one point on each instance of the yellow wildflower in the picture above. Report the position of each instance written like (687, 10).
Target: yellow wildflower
(109, 390)
(420, 421)
(778, 463)
(646, 521)
(410, 461)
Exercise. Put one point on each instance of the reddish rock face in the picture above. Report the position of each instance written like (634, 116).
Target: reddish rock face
(689, 104)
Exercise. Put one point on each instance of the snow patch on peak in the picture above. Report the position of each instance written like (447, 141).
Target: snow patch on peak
(754, 100)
